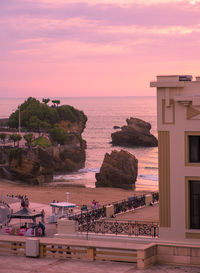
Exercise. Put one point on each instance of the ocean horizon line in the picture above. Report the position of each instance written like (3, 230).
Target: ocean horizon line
(79, 97)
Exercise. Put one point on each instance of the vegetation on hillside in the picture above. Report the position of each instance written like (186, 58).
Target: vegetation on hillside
(37, 116)
(15, 153)
(41, 142)
(3, 137)
(15, 138)
(28, 138)
(59, 135)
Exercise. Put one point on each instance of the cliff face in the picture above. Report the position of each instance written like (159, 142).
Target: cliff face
(38, 165)
(68, 158)
(35, 166)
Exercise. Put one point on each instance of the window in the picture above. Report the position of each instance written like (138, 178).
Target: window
(194, 204)
(194, 149)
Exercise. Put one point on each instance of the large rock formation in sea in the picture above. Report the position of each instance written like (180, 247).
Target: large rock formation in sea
(118, 170)
(136, 133)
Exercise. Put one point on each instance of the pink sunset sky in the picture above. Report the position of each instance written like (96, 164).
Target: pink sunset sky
(95, 47)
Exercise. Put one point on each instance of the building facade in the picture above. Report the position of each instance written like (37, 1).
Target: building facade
(178, 111)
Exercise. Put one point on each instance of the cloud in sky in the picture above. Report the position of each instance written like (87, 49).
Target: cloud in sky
(95, 47)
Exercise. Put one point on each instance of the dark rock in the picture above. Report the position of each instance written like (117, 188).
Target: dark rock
(38, 165)
(34, 167)
(118, 170)
(5, 173)
(136, 133)
(68, 158)
(116, 127)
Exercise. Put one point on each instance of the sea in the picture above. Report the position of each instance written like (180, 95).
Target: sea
(103, 114)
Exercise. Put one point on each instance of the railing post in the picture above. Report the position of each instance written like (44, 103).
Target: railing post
(14, 249)
(91, 252)
(103, 227)
(32, 247)
(130, 227)
(42, 250)
(154, 231)
(140, 259)
(146, 257)
(136, 229)
(109, 211)
(148, 199)
(96, 226)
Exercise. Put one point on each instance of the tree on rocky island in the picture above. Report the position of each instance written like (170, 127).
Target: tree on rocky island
(55, 103)
(46, 101)
(34, 124)
(3, 137)
(59, 135)
(15, 138)
(28, 138)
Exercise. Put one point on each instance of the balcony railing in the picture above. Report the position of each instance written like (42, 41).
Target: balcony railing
(119, 227)
(88, 220)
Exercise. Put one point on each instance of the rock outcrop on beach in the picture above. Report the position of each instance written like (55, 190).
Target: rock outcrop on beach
(69, 157)
(118, 170)
(136, 133)
(38, 165)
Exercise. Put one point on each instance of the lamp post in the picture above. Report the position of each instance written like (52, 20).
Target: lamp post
(19, 120)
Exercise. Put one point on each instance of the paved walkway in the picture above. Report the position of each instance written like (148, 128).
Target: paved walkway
(149, 213)
(13, 264)
(9, 200)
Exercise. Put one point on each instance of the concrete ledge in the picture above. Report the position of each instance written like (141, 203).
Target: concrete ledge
(168, 254)
(147, 257)
(66, 226)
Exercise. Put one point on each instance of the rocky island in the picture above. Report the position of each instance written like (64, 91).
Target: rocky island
(49, 141)
(118, 170)
(135, 133)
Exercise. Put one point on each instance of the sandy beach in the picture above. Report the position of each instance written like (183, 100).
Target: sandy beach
(78, 195)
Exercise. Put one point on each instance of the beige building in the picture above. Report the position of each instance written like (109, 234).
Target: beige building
(178, 106)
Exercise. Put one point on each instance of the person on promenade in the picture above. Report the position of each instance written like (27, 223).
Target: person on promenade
(43, 215)
(26, 201)
(97, 205)
(22, 203)
(93, 204)
(42, 226)
(84, 208)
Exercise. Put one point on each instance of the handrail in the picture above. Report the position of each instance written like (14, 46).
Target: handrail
(121, 227)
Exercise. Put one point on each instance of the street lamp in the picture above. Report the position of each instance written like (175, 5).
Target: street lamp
(19, 120)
